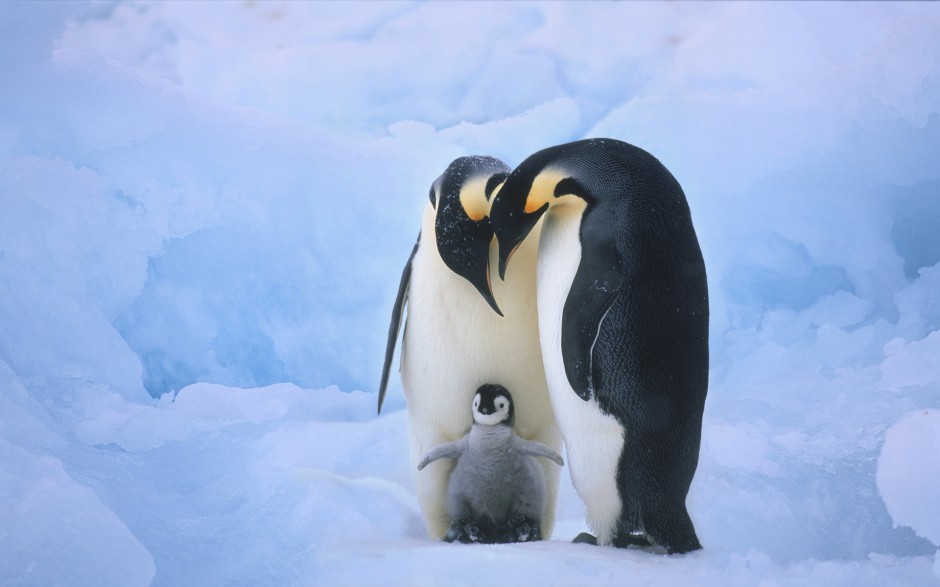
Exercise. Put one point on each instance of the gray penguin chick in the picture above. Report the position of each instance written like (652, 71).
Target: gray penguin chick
(496, 491)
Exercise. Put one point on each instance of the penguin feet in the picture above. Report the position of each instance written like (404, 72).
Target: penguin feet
(631, 539)
(673, 532)
(519, 528)
(523, 529)
(618, 542)
(585, 538)
(464, 530)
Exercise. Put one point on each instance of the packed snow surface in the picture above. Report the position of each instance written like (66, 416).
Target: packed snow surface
(205, 208)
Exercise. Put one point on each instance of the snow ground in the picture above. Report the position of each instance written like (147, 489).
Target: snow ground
(204, 212)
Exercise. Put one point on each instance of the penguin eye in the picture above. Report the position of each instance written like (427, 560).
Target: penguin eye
(502, 405)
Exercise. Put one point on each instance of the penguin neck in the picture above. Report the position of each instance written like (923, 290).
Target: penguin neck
(560, 236)
(490, 436)
(559, 256)
(428, 232)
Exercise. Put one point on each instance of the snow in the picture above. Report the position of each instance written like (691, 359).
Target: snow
(205, 209)
(909, 472)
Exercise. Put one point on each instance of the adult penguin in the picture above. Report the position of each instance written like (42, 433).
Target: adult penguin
(623, 322)
(454, 340)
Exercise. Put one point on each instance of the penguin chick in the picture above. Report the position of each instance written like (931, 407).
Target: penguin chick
(497, 490)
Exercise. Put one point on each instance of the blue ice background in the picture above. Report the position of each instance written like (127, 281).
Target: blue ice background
(225, 194)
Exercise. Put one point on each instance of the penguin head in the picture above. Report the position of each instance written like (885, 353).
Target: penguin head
(492, 405)
(461, 199)
(521, 204)
(545, 179)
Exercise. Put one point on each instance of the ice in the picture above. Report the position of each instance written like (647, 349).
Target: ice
(909, 472)
(49, 519)
(204, 213)
(915, 363)
(47, 516)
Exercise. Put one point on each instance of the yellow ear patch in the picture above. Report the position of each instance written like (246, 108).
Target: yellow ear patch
(533, 204)
(473, 198)
(543, 189)
(496, 189)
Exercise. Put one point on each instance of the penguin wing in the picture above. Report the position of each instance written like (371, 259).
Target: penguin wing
(448, 450)
(535, 449)
(395, 326)
(595, 288)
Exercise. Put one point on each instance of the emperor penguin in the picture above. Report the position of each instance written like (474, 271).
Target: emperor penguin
(456, 339)
(623, 327)
(496, 491)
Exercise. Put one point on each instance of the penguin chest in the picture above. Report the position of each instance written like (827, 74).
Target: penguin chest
(494, 478)
(454, 342)
(593, 440)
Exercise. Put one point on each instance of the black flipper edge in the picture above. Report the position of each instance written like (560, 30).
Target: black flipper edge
(595, 288)
(394, 326)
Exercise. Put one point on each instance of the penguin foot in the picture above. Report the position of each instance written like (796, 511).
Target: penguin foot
(522, 529)
(585, 538)
(680, 547)
(472, 533)
(627, 540)
(673, 533)
(464, 530)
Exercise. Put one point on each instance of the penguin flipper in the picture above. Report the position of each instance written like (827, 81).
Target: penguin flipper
(394, 327)
(536, 449)
(448, 450)
(595, 288)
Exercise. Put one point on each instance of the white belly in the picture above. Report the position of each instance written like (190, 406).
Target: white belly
(593, 440)
(453, 343)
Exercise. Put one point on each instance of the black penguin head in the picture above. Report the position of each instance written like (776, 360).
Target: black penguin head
(525, 197)
(492, 405)
(512, 222)
(529, 191)
(461, 223)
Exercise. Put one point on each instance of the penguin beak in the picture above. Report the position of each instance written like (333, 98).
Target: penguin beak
(464, 246)
(483, 283)
(507, 248)
(512, 226)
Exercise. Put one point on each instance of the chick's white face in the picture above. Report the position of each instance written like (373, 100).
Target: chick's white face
(492, 412)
